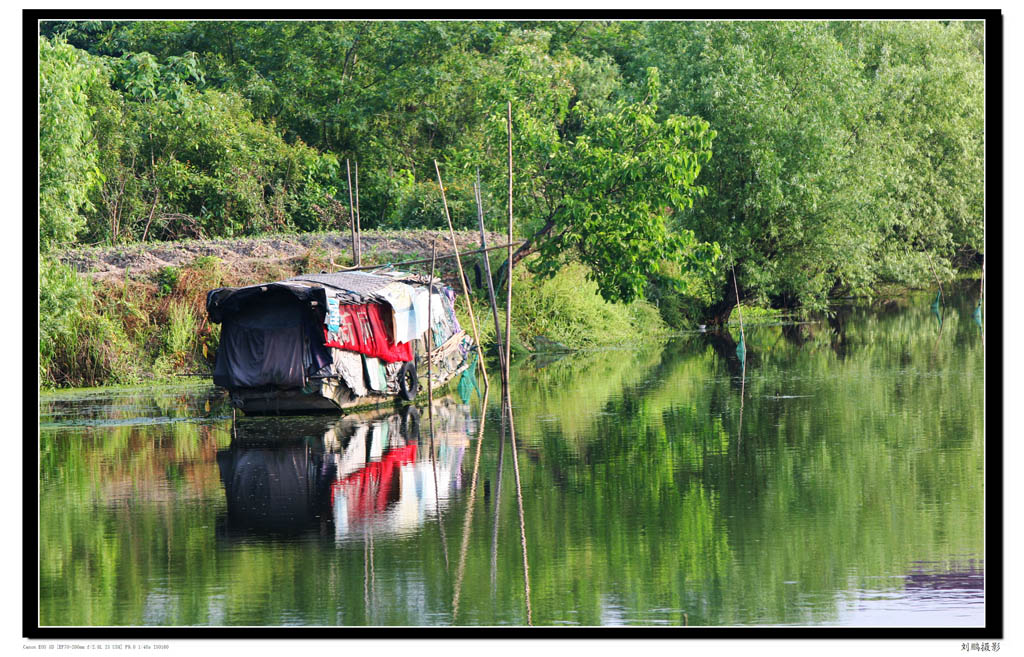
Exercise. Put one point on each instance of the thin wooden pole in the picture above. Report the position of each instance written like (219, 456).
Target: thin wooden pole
(490, 280)
(743, 389)
(366, 575)
(430, 415)
(351, 215)
(429, 337)
(981, 301)
(437, 502)
(462, 279)
(743, 341)
(508, 273)
(739, 308)
(359, 225)
(931, 266)
(981, 284)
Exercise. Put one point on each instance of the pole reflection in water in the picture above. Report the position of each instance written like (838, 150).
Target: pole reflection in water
(467, 523)
(519, 499)
(497, 507)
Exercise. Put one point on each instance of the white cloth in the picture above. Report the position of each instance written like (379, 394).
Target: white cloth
(349, 366)
(401, 298)
(420, 303)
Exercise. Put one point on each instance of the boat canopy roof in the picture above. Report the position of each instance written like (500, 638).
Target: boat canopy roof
(349, 287)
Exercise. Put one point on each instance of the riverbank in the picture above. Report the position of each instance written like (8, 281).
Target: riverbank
(134, 314)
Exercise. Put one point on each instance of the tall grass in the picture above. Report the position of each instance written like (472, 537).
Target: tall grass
(122, 332)
(79, 343)
(180, 333)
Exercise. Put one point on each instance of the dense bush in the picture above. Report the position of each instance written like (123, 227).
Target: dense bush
(133, 149)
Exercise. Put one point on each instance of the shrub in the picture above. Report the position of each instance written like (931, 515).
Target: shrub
(79, 343)
(180, 332)
(568, 309)
(167, 280)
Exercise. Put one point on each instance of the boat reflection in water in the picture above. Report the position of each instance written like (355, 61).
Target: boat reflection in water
(371, 472)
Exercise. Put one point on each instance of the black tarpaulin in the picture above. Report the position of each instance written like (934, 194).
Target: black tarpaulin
(263, 344)
(224, 301)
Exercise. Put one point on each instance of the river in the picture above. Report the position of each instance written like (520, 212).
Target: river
(833, 477)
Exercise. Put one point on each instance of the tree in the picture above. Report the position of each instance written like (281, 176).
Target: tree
(793, 188)
(847, 154)
(608, 188)
(929, 103)
(67, 153)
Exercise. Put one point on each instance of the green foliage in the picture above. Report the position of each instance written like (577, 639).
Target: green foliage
(195, 163)
(180, 332)
(80, 343)
(928, 80)
(567, 307)
(167, 280)
(618, 183)
(847, 154)
(68, 160)
(828, 174)
(61, 292)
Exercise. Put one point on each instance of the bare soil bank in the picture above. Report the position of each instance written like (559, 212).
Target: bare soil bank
(252, 254)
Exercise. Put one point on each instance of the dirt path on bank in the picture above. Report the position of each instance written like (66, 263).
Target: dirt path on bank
(248, 254)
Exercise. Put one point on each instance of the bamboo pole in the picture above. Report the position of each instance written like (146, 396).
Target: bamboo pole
(490, 280)
(359, 225)
(430, 410)
(437, 501)
(467, 523)
(429, 338)
(508, 273)
(740, 309)
(351, 215)
(931, 266)
(366, 575)
(462, 279)
(743, 341)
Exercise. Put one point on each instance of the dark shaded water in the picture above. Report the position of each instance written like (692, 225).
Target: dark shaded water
(837, 478)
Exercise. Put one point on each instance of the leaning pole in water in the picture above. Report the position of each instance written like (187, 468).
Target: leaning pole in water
(462, 277)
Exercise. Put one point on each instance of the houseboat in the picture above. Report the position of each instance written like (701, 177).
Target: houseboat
(336, 341)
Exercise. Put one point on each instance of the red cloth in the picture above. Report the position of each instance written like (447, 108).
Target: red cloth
(365, 328)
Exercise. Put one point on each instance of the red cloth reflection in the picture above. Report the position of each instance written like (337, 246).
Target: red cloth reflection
(371, 489)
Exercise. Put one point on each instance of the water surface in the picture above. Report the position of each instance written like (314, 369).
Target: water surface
(835, 476)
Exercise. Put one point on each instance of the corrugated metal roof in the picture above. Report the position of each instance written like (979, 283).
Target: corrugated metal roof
(349, 286)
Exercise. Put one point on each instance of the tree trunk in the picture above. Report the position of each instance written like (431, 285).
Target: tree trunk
(718, 313)
(525, 249)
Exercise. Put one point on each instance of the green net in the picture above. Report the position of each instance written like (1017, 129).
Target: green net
(467, 382)
(741, 350)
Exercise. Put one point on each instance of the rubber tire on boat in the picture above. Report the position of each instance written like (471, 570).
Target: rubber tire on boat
(408, 384)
